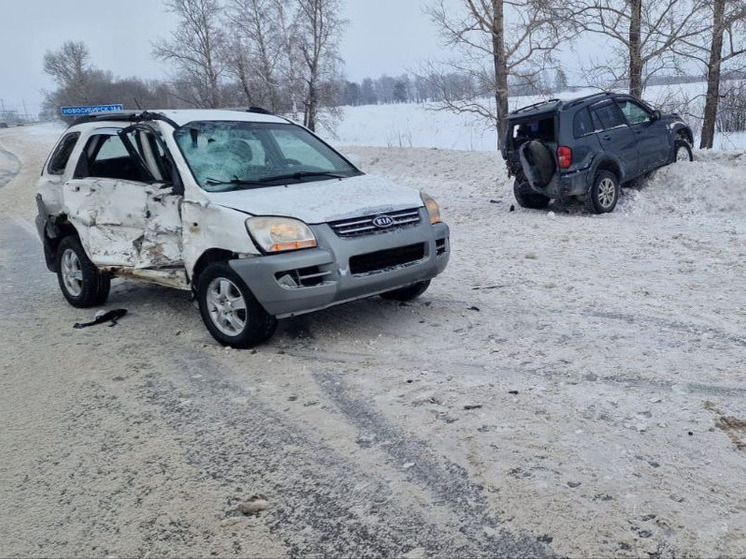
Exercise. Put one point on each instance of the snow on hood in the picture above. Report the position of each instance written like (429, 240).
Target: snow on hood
(322, 201)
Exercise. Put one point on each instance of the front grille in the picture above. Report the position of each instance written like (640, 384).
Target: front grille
(359, 226)
(386, 259)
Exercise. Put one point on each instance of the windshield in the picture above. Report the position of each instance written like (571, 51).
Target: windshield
(235, 155)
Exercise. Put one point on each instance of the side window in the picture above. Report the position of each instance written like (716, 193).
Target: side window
(634, 113)
(105, 156)
(58, 161)
(581, 124)
(607, 116)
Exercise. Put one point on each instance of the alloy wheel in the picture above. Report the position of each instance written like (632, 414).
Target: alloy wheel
(226, 306)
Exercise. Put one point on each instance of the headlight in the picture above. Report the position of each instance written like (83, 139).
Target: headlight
(432, 208)
(277, 234)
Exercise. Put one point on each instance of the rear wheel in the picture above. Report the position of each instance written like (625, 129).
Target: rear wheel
(407, 293)
(604, 193)
(80, 281)
(682, 151)
(229, 310)
(527, 198)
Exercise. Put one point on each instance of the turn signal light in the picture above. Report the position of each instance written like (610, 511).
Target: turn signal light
(564, 157)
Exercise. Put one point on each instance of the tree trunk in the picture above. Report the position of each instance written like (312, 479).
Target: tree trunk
(713, 77)
(309, 120)
(501, 71)
(635, 49)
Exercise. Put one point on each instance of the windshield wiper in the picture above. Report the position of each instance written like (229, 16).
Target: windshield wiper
(302, 174)
(235, 182)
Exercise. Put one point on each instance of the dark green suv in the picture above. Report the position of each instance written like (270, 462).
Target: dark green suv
(588, 147)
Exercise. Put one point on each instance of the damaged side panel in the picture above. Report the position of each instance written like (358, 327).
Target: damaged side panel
(208, 226)
(161, 244)
(125, 223)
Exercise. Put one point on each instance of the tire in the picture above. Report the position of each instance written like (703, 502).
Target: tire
(527, 198)
(407, 293)
(80, 281)
(604, 193)
(682, 151)
(537, 162)
(229, 310)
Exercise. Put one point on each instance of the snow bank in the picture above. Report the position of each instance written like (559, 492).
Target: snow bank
(713, 183)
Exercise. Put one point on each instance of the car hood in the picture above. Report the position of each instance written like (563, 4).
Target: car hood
(322, 201)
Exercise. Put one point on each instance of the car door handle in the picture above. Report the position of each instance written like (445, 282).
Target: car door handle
(607, 138)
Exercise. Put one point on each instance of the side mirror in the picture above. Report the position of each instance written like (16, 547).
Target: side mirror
(656, 115)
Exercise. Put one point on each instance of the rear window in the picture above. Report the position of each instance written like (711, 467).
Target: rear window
(581, 124)
(540, 129)
(58, 161)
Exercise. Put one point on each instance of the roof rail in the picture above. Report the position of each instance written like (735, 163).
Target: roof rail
(126, 116)
(260, 110)
(529, 107)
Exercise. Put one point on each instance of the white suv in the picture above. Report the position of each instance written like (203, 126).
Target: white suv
(255, 214)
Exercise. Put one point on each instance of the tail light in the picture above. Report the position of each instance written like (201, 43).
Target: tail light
(564, 157)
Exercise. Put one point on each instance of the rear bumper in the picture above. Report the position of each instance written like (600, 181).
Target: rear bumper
(574, 183)
(308, 280)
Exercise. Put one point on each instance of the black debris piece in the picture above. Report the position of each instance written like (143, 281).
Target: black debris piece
(109, 316)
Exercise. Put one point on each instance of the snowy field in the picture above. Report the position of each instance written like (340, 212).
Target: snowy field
(572, 385)
(419, 125)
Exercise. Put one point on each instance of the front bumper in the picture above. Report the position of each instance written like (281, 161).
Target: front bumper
(307, 280)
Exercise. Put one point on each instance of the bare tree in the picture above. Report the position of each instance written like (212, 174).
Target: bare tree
(195, 49)
(70, 67)
(727, 43)
(644, 34)
(316, 30)
(498, 41)
(256, 50)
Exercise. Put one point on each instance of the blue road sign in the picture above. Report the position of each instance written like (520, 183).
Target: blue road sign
(80, 111)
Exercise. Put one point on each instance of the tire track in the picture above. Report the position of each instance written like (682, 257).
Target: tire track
(325, 503)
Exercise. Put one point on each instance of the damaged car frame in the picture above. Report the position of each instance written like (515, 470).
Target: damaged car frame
(255, 214)
(588, 148)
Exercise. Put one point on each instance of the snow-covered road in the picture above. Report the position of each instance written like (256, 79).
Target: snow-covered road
(572, 385)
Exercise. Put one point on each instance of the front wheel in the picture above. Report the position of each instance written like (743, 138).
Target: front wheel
(604, 193)
(229, 310)
(407, 293)
(80, 281)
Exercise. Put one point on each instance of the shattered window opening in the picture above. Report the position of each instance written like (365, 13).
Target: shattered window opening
(105, 156)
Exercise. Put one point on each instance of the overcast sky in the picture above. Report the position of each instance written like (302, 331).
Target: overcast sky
(383, 36)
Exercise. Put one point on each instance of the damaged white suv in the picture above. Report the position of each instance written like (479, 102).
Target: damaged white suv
(255, 214)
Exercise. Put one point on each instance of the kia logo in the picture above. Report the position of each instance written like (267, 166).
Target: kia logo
(383, 221)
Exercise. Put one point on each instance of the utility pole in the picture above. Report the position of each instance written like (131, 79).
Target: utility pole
(2, 107)
(25, 111)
